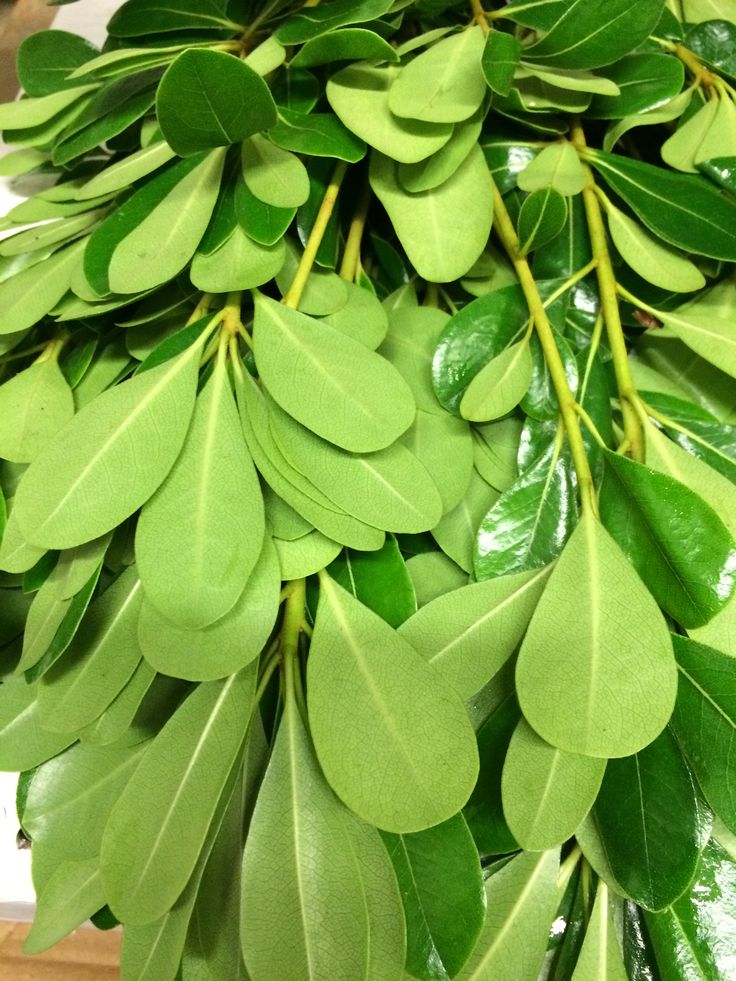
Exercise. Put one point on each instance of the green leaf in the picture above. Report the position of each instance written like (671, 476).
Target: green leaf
(704, 720)
(682, 149)
(469, 633)
(34, 405)
(527, 527)
(127, 171)
(111, 110)
(239, 263)
(389, 489)
(651, 823)
(542, 217)
(359, 96)
(199, 537)
(475, 335)
(645, 80)
(181, 777)
(659, 264)
(409, 346)
(73, 893)
(600, 956)
(109, 444)
(351, 44)
(25, 743)
(26, 114)
(499, 61)
(444, 84)
(162, 243)
(438, 168)
(557, 166)
(570, 80)
(695, 937)
(688, 563)
(273, 175)
(581, 34)
(99, 662)
(363, 317)
(598, 637)
(696, 431)
(444, 445)
(29, 295)
(314, 22)
(712, 41)
(46, 58)
(706, 333)
(379, 580)
(316, 875)
(318, 134)
(160, 208)
(137, 18)
(372, 739)
(456, 532)
(522, 902)
(683, 210)
(546, 791)
(442, 925)
(433, 575)
(443, 230)
(225, 646)
(500, 386)
(306, 555)
(361, 418)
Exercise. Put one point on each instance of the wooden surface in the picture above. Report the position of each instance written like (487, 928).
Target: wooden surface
(18, 19)
(86, 955)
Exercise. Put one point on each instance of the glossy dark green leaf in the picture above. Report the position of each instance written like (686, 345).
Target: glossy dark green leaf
(318, 134)
(46, 58)
(500, 58)
(484, 810)
(540, 401)
(202, 100)
(684, 210)
(696, 936)
(473, 337)
(675, 541)
(704, 720)
(570, 251)
(713, 41)
(645, 80)
(137, 18)
(651, 822)
(379, 580)
(182, 776)
(350, 44)
(581, 34)
(442, 925)
(529, 524)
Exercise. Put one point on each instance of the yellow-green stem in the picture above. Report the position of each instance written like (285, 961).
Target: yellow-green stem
(319, 228)
(568, 407)
(479, 15)
(609, 306)
(351, 256)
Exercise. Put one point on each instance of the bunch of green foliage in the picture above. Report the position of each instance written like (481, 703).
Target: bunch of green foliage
(368, 437)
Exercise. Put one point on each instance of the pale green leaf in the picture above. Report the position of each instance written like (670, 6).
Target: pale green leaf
(306, 555)
(392, 736)
(596, 673)
(359, 95)
(238, 264)
(469, 633)
(557, 166)
(444, 84)
(651, 258)
(275, 176)
(681, 149)
(161, 245)
(73, 893)
(34, 405)
(500, 386)
(225, 646)
(200, 535)
(546, 791)
(710, 336)
(28, 296)
(110, 458)
(127, 171)
(600, 957)
(24, 743)
(334, 385)
(521, 905)
(30, 113)
(181, 777)
(438, 168)
(443, 230)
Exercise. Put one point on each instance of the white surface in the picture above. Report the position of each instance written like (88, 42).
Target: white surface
(88, 18)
